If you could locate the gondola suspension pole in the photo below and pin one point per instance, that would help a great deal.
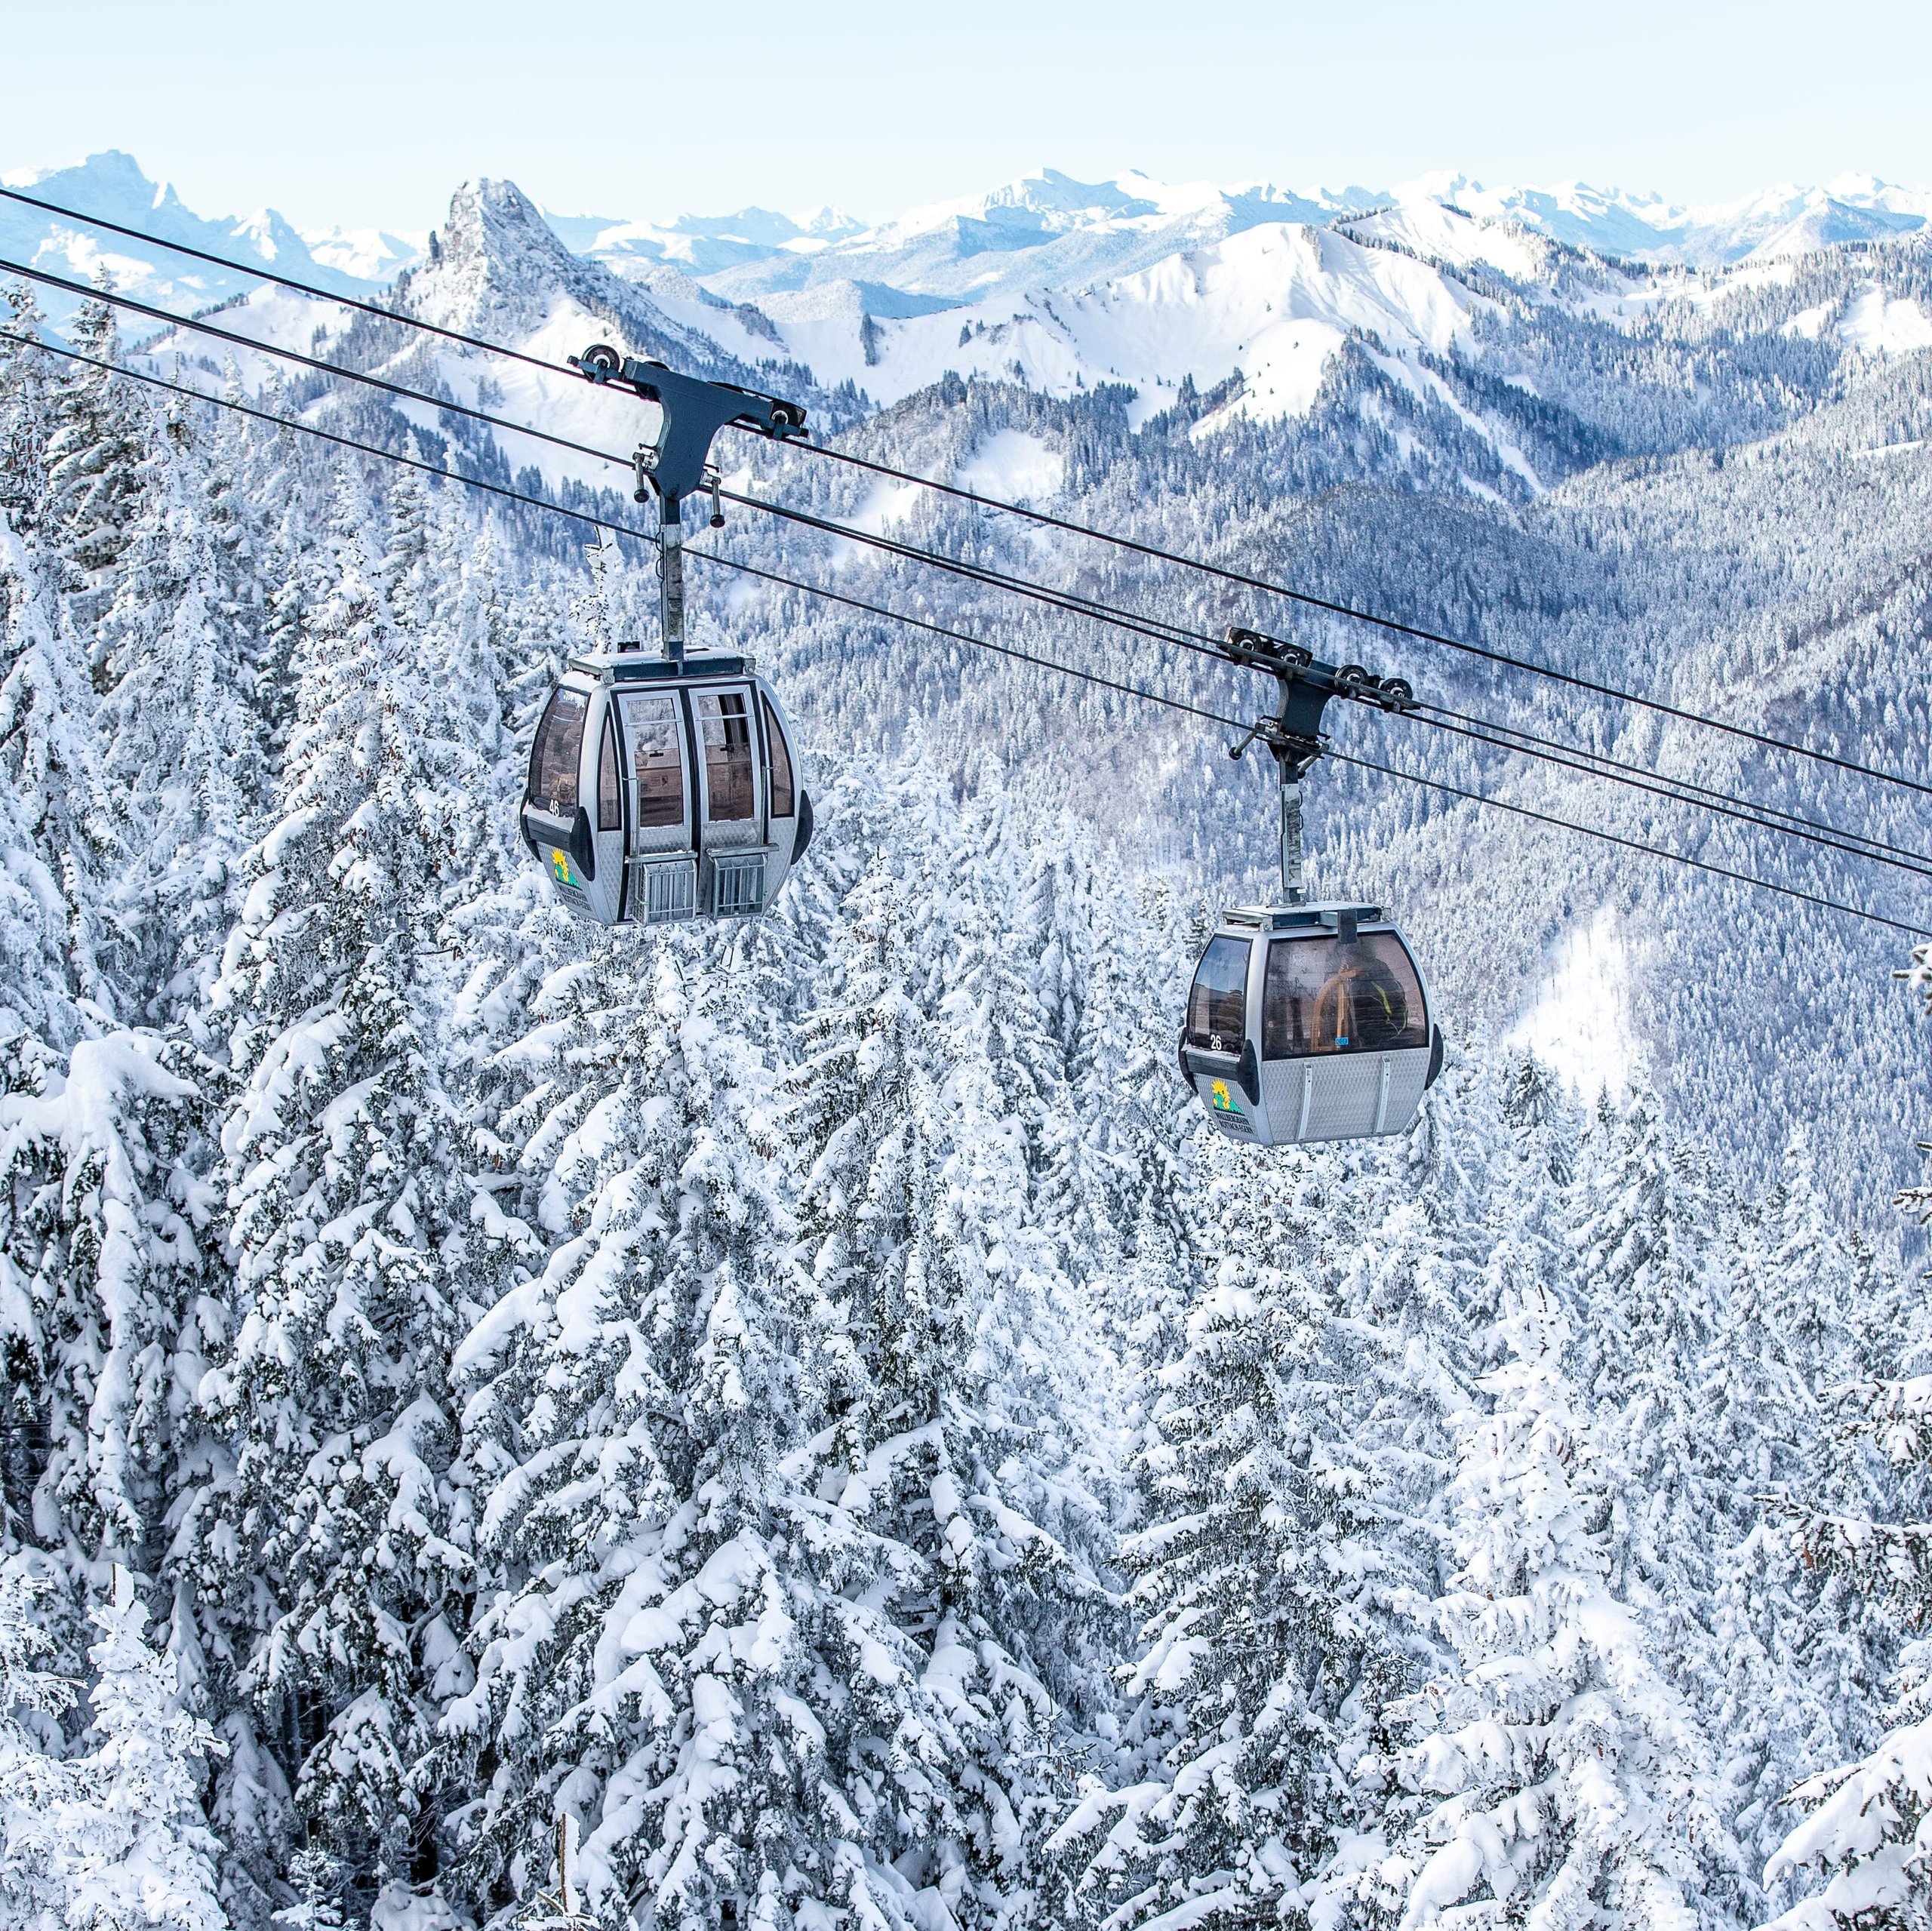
(1293, 734)
(672, 465)
(1294, 879)
(671, 574)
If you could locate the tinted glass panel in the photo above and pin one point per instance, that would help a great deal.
(1217, 1003)
(657, 760)
(783, 804)
(726, 726)
(1321, 996)
(610, 810)
(553, 759)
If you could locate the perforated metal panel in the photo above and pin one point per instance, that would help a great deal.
(740, 887)
(1408, 1075)
(664, 891)
(1341, 1096)
(1347, 1088)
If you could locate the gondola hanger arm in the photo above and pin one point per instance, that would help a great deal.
(673, 465)
(694, 411)
(1304, 685)
(1293, 734)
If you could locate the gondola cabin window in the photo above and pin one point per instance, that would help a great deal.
(553, 763)
(726, 724)
(657, 764)
(784, 803)
(1321, 995)
(610, 802)
(1217, 1003)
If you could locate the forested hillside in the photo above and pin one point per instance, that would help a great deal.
(806, 1418)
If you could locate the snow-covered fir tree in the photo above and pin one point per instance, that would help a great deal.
(136, 1848)
(103, 1252)
(113, 1836)
(1868, 1833)
(1263, 1665)
(320, 1544)
(1557, 1773)
(36, 1781)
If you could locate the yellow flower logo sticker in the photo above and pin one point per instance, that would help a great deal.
(1221, 1100)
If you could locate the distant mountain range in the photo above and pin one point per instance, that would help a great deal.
(1066, 285)
(1046, 230)
(112, 184)
(1051, 230)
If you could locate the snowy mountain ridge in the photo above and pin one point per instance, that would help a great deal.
(1046, 230)
(1259, 317)
(113, 185)
(1066, 285)
(1768, 225)
(1274, 303)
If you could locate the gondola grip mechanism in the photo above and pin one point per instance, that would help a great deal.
(691, 412)
(1294, 735)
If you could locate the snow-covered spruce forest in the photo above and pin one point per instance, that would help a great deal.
(807, 1416)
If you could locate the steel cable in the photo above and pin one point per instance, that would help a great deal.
(883, 612)
(1331, 606)
(1073, 603)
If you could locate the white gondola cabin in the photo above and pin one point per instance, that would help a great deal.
(662, 789)
(1309, 1022)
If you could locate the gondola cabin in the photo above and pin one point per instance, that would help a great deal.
(663, 789)
(1309, 1022)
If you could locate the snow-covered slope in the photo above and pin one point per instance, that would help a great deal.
(1064, 283)
(1258, 314)
(1274, 302)
(1043, 233)
(373, 255)
(497, 269)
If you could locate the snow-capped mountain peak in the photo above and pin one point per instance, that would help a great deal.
(495, 255)
(113, 185)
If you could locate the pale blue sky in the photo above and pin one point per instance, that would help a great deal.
(367, 114)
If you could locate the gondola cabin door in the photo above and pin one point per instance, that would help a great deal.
(731, 776)
(661, 882)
